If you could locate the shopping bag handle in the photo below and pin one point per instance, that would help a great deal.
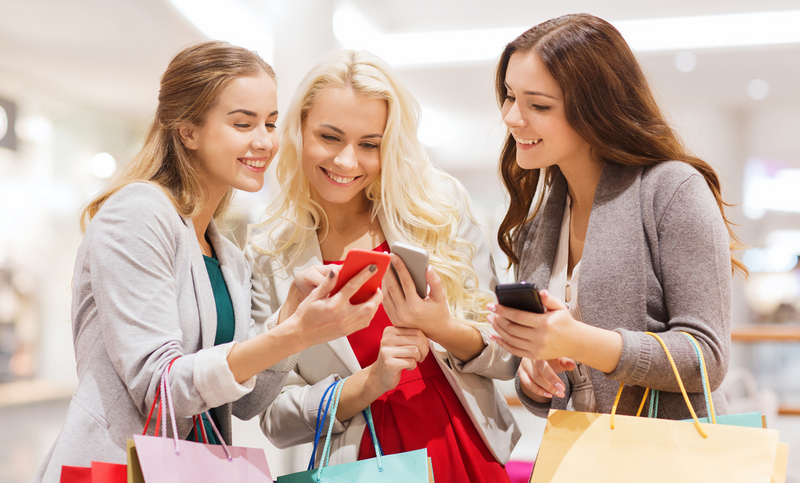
(338, 386)
(704, 374)
(321, 417)
(680, 384)
(164, 392)
(653, 410)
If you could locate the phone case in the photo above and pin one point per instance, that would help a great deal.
(355, 261)
(521, 296)
(416, 260)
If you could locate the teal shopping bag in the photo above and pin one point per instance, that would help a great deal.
(407, 467)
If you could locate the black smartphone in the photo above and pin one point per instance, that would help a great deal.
(520, 295)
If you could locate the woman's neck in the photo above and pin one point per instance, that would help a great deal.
(347, 226)
(582, 182)
(203, 219)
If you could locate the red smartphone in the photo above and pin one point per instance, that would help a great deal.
(357, 260)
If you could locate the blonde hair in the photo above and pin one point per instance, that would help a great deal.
(415, 197)
(190, 86)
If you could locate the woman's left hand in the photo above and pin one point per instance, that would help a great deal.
(406, 309)
(536, 336)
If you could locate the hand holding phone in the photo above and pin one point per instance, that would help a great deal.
(416, 261)
(521, 296)
(355, 261)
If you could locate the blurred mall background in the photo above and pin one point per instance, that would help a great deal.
(79, 81)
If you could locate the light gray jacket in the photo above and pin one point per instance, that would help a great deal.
(141, 297)
(656, 258)
(291, 419)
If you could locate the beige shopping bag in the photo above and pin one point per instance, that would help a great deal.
(579, 446)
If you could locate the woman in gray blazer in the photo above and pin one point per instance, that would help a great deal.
(623, 229)
(155, 283)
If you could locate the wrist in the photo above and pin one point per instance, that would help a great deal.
(294, 338)
(445, 331)
(373, 387)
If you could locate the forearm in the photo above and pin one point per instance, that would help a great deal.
(259, 353)
(595, 347)
(358, 393)
(462, 340)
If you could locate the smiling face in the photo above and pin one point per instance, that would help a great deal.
(534, 112)
(238, 137)
(342, 136)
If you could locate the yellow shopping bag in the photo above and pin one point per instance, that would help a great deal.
(590, 447)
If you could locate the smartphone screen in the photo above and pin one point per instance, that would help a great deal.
(355, 261)
(521, 296)
(416, 260)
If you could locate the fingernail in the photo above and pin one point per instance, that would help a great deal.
(491, 307)
(545, 293)
(547, 394)
(373, 267)
(331, 275)
(560, 387)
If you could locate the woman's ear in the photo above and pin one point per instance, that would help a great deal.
(189, 135)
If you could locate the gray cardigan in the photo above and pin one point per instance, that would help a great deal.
(141, 297)
(656, 258)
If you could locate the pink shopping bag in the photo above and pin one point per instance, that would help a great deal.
(154, 459)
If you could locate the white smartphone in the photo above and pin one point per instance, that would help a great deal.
(416, 260)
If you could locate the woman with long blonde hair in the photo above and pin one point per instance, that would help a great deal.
(155, 284)
(354, 175)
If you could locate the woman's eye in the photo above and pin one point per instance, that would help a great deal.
(328, 137)
(242, 125)
(271, 126)
(369, 146)
(510, 98)
(540, 107)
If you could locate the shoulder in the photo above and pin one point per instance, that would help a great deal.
(137, 207)
(677, 186)
(142, 198)
(668, 176)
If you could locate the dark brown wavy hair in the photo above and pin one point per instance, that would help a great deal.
(608, 102)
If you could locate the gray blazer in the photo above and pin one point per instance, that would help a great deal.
(656, 258)
(141, 297)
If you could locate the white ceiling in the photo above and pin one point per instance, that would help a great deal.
(109, 54)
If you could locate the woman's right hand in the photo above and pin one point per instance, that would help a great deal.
(539, 379)
(321, 318)
(303, 284)
(401, 348)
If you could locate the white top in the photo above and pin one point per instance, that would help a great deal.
(565, 288)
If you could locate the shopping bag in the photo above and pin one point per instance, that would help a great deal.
(98, 473)
(153, 459)
(579, 446)
(407, 467)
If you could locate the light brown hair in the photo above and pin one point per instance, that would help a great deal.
(608, 102)
(191, 85)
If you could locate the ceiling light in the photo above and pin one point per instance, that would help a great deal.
(103, 165)
(354, 30)
(685, 61)
(758, 89)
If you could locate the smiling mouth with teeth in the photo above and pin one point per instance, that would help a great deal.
(338, 179)
(255, 163)
(527, 141)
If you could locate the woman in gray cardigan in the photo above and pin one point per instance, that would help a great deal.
(154, 281)
(610, 215)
